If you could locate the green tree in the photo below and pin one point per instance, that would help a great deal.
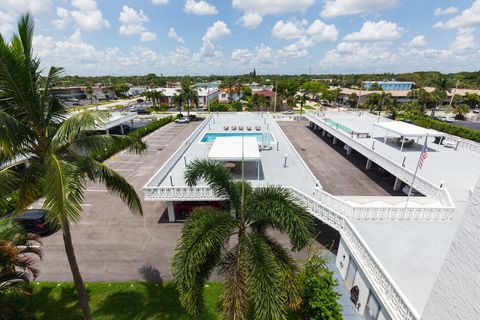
(353, 99)
(189, 95)
(442, 88)
(120, 89)
(460, 111)
(301, 98)
(319, 299)
(258, 101)
(89, 93)
(58, 149)
(260, 276)
(18, 257)
(471, 99)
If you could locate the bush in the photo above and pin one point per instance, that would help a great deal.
(158, 108)
(452, 129)
(319, 299)
(138, 133)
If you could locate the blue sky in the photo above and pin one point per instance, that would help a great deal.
(176, 37)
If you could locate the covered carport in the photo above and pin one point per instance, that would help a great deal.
(407, 132)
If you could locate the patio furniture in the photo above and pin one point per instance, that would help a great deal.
(257, 128)
(449, 144)
(249, 128)
(234, 127)
(225, 128)
(240, 128)
(229, 165)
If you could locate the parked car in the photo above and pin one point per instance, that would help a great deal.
(184, 208)
(142, 111)
(182, 120)
(288, 112)
(477, 111)
(140, 100)
(34, 221)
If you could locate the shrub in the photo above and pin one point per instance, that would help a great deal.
(452, 129)
(319, 299)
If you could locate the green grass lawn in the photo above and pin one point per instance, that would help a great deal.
(119, 300)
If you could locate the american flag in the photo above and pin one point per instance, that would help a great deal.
(423, 156)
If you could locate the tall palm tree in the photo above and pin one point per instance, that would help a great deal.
(260, 276)
(188, 95)
(59, 149)
(442, 88)
(301, 98)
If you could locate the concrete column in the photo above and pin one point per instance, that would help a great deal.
(349, 150)
(171, 211)
(324, 133)
(369, 164)
(107, 131)
(121, 129)
(397, 185)
(334, 140)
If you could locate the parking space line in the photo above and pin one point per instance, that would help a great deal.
(133, 162)
(96, 190)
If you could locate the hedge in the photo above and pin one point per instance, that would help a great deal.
(452, 129)
(138, 133)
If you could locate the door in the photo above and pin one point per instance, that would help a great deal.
(372, 309)
(351, 273)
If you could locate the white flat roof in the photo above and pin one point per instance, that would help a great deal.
(408, 130)
(230, 149)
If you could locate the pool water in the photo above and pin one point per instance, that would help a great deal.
(211, 136)
(339, 126)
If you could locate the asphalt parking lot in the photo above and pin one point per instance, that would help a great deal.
(110, 243)
(338, 173)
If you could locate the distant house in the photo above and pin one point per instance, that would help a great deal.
(168, 94)
(101, 92)
(206, 96)
(66, 93)
(136, 91)
(255, 87)
(389, 85)
(207, 85)
(228, 95)
(269, 96)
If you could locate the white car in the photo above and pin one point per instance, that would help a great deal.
(182, 120)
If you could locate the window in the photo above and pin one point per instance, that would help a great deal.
(372, 309)
(351, 273)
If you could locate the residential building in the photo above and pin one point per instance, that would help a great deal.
(168, 94)
(229, 94)
(255, 87)
(101, 92)
(389, 85)
(207, 85)
(66, 93)
(207, 95)
(136, 91)
(269, 97)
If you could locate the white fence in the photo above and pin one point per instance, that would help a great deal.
(464, 144)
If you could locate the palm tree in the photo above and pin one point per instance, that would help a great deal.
(188, 95)
(59, 150)
(260, 276)
(301, 98)
(442, 88)
(259, 101)
(177, 100)
(89, 92)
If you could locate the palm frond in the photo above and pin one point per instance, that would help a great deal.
(234, 299)
(275, 207)
(199, 250)
(14, 134)
(88, 144)
(114, 182)
(216, 176)
(64, 191)
(9, 180)
(28, 186)
(265, 285)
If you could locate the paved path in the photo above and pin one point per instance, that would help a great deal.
(338, 173)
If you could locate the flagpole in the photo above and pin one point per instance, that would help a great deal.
(415, 174)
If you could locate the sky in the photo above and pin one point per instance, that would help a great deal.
(203, 37)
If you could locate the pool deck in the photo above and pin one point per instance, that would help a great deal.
(272, 170)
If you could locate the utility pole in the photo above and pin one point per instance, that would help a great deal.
(275, 100)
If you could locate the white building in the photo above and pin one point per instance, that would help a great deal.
(136, 91)
(391, 249)
(207, 96)
(228, 95)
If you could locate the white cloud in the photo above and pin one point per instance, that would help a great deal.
(321, 32)
(418, 41)
(63, 20)
(148, 36)
(468, 18)
(251, 20)
(376, 31)
(289, 30)
(216, 31)
(133, 23)
(172, 33)
(200, 8)
(161, 2)
(261, 56)
(440, 12)
(10, 10)
(464, 40)
(264, 7)
(87, 15)
(335, 8)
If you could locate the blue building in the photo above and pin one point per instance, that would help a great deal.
(389, 85)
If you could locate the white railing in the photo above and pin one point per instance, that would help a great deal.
(391, 296)
(464, 144)
(395, 169)
(387, 212)
(180, 193)
(161, 174)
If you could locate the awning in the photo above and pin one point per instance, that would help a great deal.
(230, 149)
(408, 130)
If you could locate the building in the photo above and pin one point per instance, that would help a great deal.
(389, 85)
(101, 92)
(136, 91)
(207, 95)
(168, 94)
(66, 93)
(391, 248)
(227, 95)
(207, 85)
(255, 87)
(269, 97)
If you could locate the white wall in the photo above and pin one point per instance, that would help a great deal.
(456, 293)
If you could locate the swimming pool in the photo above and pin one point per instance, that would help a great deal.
(339, 126)
(260, 136)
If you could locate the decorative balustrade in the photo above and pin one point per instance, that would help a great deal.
(464, 144)
(397, 170)
(389, 293)
(202, 193)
